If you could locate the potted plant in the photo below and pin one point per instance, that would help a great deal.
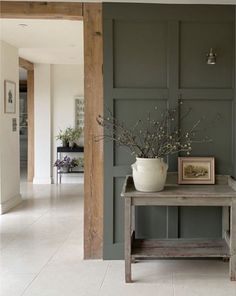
(64, 137)
(78, 162)
(73, 135)
(65, 164)
(150, 141)
(69, 136)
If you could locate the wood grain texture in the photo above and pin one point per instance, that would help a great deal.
(93, 89)
(30, 107)
(41, 10)
(26, 64)
(181, 191)
(128, 240)
(178, 248)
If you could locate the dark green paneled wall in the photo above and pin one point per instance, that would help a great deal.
(234, 127)
(155, 55)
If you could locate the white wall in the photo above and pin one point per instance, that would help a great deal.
(9, 140)
(55, 89)
(67, 82)
(42, 116)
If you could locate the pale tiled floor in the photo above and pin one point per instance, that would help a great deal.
(41, 255)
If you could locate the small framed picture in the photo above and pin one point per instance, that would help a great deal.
(10, 96)
(196, 170)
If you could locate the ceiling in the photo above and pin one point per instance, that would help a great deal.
(45, 41)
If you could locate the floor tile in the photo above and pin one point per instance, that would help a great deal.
(14, 284)
(186, 284)
(147, 277)
(82, 278)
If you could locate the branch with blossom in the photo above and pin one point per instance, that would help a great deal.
(151, 138)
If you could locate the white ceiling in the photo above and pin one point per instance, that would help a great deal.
(45, 41)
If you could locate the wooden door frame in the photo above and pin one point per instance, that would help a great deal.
(91, 14)
(29, 67)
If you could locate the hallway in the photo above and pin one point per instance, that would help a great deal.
(42, 251)
(42, 230)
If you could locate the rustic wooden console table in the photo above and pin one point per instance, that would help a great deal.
(222, 194)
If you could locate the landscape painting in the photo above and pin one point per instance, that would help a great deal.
(196, 170)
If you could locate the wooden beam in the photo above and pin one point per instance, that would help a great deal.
(26, 64)
(93, 88)
(41, 10)
(30, 107)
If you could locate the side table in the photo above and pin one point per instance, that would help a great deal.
(223, 194)
(60, 151)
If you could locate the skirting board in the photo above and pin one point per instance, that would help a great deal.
(9, 204)
(42, 181)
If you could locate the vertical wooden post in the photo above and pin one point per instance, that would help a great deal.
(225, 221)
(128, 228)
(30, 107)
(232, 262)
(93, 90)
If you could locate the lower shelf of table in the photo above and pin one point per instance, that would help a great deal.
(179, 248)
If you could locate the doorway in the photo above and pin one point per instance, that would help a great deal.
(91, 14)
(23, 124)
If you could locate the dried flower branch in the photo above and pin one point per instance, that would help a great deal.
(152, 138)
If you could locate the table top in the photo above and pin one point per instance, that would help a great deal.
(184, 191)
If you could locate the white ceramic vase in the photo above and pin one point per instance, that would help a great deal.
(149, 174)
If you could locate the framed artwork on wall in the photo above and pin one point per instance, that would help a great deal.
(79, 116)
(196, 170)
(9, 96)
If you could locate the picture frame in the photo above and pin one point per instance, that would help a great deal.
(9, 96)
(79, 116)
(196, 170)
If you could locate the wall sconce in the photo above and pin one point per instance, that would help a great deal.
(211, 57)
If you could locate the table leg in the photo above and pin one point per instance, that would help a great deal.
(232, 262)
(128, 240)
(225, 221)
